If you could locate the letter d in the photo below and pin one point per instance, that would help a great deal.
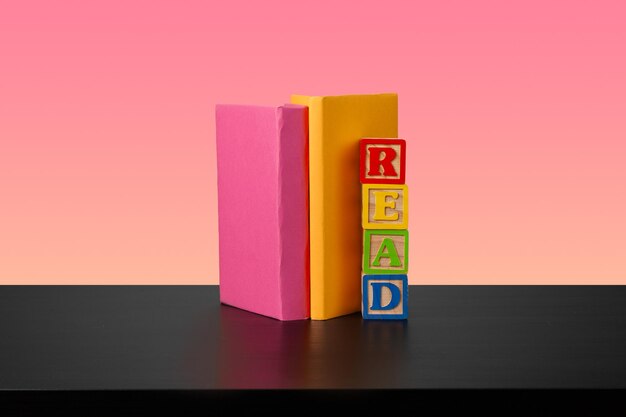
(377, 290)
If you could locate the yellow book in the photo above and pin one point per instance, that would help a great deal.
(336, 124)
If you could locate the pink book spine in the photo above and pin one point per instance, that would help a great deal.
(294, 210)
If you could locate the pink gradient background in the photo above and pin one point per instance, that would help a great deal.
(514, 113)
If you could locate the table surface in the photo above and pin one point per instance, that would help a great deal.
(180, 337)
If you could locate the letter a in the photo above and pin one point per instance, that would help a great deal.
(387, 250)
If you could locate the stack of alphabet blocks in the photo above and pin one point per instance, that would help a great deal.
(385, 218)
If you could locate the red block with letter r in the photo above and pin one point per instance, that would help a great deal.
(382, 161)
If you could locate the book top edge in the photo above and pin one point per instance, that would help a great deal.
(343, 95)
(258, 106)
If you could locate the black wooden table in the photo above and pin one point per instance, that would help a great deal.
(179, 338)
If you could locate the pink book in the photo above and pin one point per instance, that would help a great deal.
(262, 184)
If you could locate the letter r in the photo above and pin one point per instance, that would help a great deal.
(386, 163)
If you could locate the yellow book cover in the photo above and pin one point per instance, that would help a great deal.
(336, 124)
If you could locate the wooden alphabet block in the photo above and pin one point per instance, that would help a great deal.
(385, 297)
(385, 251)
(382, 161)
(385, 206)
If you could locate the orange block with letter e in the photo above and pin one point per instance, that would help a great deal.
(385, 206)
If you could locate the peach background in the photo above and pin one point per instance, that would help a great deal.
(514, 112)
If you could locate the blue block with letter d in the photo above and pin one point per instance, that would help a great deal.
(385, 297)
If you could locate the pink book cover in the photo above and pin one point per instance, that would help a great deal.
(262, 180)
